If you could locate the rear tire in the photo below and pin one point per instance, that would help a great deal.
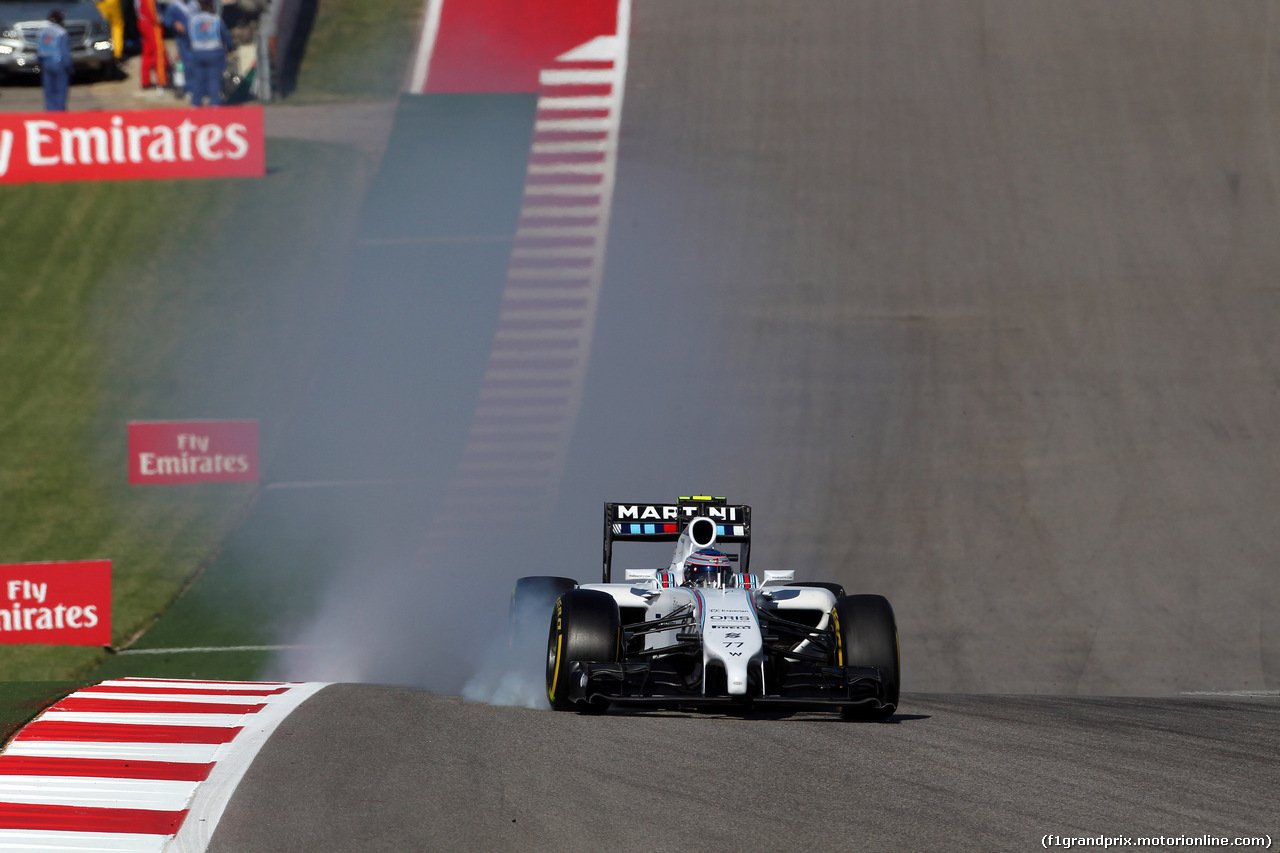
(867, 635)
(585, 627)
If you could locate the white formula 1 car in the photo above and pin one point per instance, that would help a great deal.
(700, 633)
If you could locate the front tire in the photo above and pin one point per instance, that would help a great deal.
(867, 635)
(585, 627)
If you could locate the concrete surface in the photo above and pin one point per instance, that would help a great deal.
(364, 124)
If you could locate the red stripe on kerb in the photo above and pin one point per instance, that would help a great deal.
(508, 455)
(538, 325)
(534, 304)
(551, 243)
(533, 345)
(554, 113)
(110, 768)
(127, 706)
(533, 284)
(585, 65)
(177, 691)
(550, 263)
(503, 45)
(566, 158)
(560, 221)
(532, 363)
(516, 437)
(545, 285)
(576, 90)
(514, 402)
(555, 242)
(556, 200)
(84, 819)
(125, 732)
(520, 384)
(518, 420)
(565, 178)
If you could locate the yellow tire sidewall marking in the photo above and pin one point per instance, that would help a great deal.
(555, 676)
(835, 619)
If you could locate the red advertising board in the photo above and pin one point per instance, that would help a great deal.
(163, 453)
(103, 145)
(501, 45)
(66, 604)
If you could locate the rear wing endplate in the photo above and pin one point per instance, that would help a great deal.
(632, 522)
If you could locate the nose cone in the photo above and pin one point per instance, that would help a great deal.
(731, 635)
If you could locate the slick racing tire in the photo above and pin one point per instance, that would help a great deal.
(531, 600)
(867, 635)
(585, 627)
(834, 588)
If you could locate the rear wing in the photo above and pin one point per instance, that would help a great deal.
(665, 522)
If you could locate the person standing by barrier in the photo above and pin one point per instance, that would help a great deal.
(210, 42)
(114, 14)
(54, 52)
(153, 55)
(176, 17)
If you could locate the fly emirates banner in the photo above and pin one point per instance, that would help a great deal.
(66, 603)
(105, 145)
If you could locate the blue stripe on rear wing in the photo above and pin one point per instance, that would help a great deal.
(655, 532)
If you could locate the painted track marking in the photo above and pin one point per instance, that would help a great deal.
(136, 764)
(531, 392)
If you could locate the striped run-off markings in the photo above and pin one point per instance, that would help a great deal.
(532, 388)
(136, 764)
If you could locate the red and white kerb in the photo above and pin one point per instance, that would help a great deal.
(135, 764)
(532, 388)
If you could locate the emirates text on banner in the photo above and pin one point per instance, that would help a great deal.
(65, 604)
(132, 145)
(163, 453)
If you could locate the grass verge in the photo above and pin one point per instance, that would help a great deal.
(20, 702)
(357, 51)
(199, 299)
(158, 300)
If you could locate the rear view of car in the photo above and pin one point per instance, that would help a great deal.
(87, 31)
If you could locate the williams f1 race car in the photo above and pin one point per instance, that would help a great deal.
(706, 631)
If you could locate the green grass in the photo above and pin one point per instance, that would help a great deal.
(358, 50)
(20, 702)
(221, 666)
(200, 299)
(169, 300)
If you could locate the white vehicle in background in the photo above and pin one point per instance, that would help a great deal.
(88, 33)
(700, 632)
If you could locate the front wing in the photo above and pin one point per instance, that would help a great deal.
(655, 683)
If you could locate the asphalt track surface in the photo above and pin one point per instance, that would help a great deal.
(367, 768)
(975, 303)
